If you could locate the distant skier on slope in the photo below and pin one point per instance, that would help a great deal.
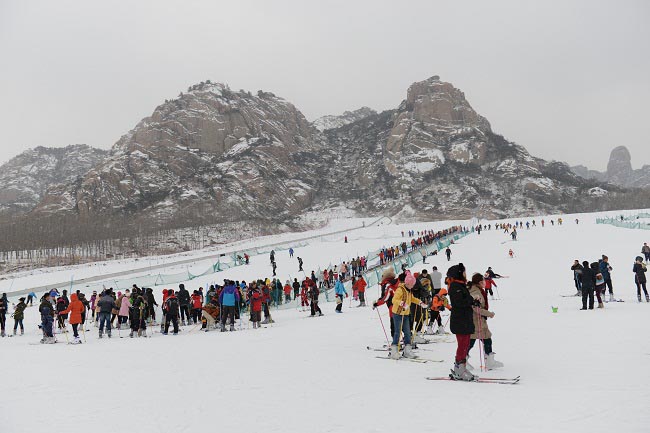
(448, 253)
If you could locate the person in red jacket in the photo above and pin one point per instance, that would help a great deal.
(360, 286)
(287, 292)
(256, 307)
(196, 302)
(75, 309)
(304, 298)
(388, 285)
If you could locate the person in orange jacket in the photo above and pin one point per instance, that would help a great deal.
(360, 287)
(75, 309)
(438, 304)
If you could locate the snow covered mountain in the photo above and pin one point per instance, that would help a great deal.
(238, 156)
(434, 155)
(619, 171)
(25, 178)
(332, 122)
(235, 155)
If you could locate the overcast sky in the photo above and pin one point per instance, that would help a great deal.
(569, 80)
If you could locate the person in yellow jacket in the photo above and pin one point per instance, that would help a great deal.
(402, 300)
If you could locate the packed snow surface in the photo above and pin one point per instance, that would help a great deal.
(582, 371)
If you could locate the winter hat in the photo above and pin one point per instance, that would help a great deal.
(409, 281)
(639, 258)
(585, 264)
(181, 286)
(456, 272)
(21, 299)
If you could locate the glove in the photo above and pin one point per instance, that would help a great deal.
(346, 295)
(423, 305)
(491, 315)
(476, 303)
(374, 305)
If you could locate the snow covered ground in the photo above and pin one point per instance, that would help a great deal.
(582, 371)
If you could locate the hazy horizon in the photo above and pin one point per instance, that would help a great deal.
(568, 81)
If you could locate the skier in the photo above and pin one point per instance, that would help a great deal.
(228, 299)
(287, 292)
(210, 315)
(184, 303)
(151, 304)
(402, 300)
(481, 313)
(272, 256)
(299, 265)
(274, 266)
(124, 304)
(639, 270)
(171, 308)
(461, 321)
(139, 315)
(438, 304)
(196, 306)
(605, 269)
(388, 285)
(600, 284)
(296, 288)
(588, 280)
(47, 319)
(577, 279)
(448, 253)
(314, 293)
(75, 308)
(489, 283)
(93, 305)
(19, 315)
(290, 252)
(346, 239)
(4, 306)
(256, 306)
(645, 250)
(304, 294)
(511, 254)
(247, 258)
(360, 286)
(106, 304)
(339, 289)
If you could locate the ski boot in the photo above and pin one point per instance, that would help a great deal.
(131, 334)
(394, 352)
(14, 332)
(76, 340)
(639, 297)
(223, 328)
(491, 363)
(2, 334)
(408, 352)
(22, 332)
(429, 330)
(647, 298)
(109, 334)
(101, 334)
(460, 373)
(232, 328)
(420, 340)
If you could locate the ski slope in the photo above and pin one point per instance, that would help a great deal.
(582, 371)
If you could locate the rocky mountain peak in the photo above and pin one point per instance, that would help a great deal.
(26, 177)
(619, 167)
(439, 102)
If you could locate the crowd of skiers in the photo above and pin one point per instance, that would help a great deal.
(416, 300)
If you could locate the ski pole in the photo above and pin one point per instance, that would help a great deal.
(382, 326)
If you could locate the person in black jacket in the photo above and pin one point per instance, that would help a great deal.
(47, 319)
(461, 321)
(577, 279)
(105, 305)
(184, 302)
(151, 304)
(639, 270)
(296, 288)
(588, 281)
(4, 306)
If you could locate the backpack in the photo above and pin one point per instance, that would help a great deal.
(172, 305)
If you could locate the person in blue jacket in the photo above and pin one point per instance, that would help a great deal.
(339, 289)
(47, 319)
(605, 269)
(229, 300)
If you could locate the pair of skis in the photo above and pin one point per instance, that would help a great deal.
(417, 359)
(498, 380)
